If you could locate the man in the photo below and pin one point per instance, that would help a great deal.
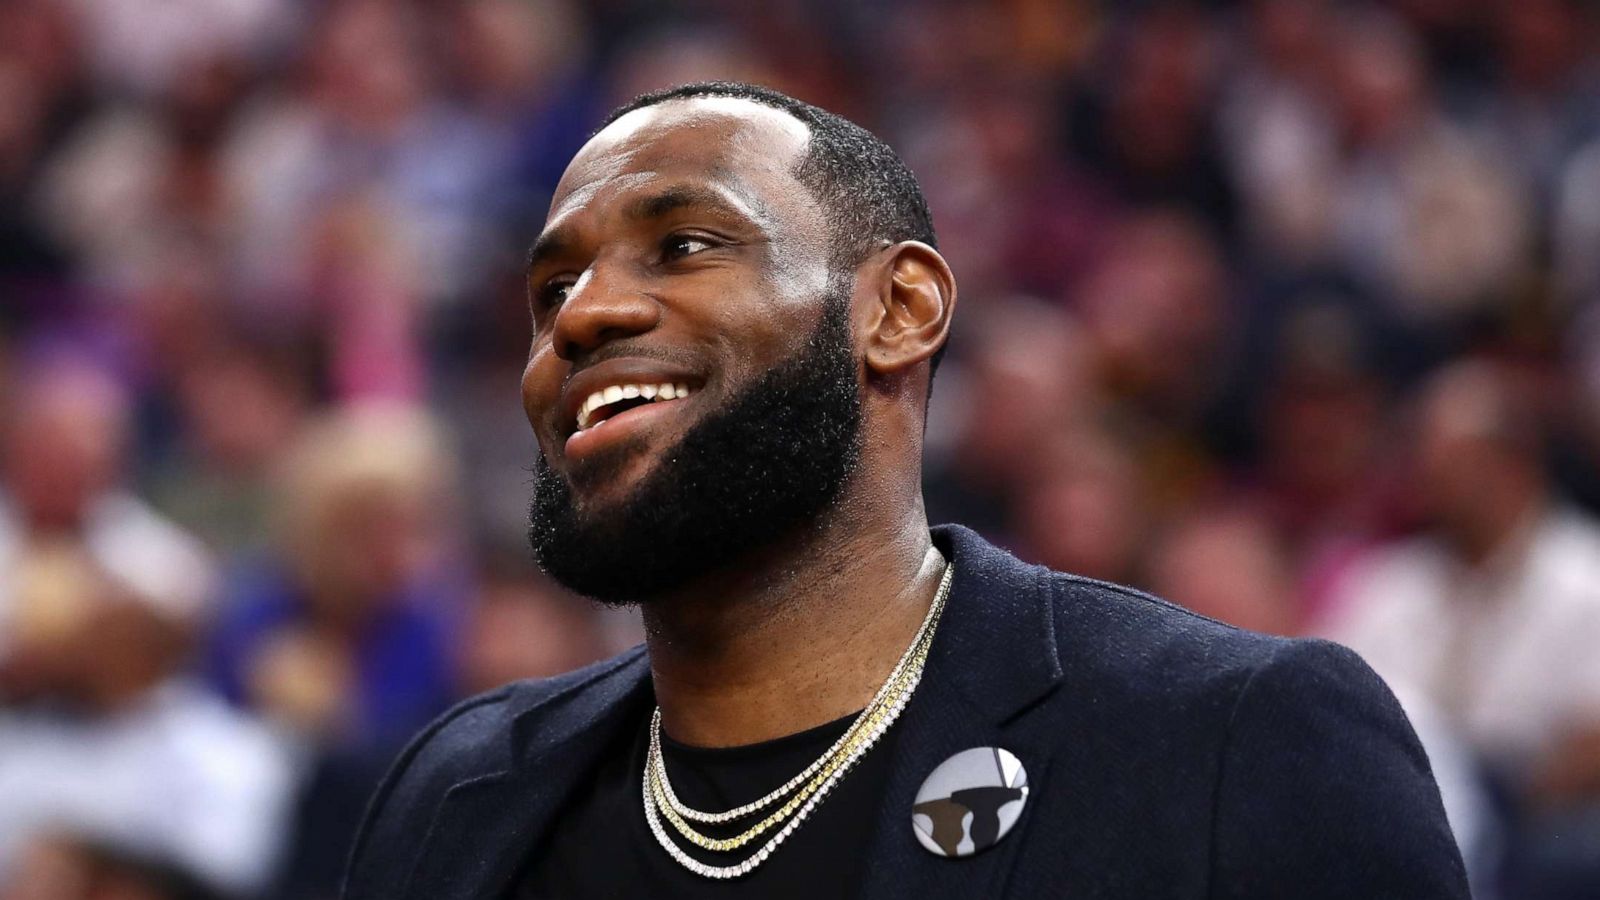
(64, 452)
(1491, 616)
(737, 310)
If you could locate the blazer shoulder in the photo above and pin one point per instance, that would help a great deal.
(1137, 636)
(1143, 636)
(1316, 763)
(470, 740)
(1125, 643)
(474, 734)
(1096, 628)
(1325, 790)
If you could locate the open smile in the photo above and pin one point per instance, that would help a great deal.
(613, 423)
(601, 405)
(618, 401)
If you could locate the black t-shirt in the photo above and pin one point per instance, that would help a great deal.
(601, 847)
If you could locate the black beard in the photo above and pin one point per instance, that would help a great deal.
(774, 459)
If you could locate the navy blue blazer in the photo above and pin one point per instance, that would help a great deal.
(1169, 756)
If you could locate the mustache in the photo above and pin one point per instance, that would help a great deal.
(634, 348)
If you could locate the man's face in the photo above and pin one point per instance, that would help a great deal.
(682, 255)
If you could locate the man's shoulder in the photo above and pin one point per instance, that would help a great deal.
(479, 738)
(1124, 646)
(1150, 645)
(475, 733)
(1120, 631)
(1311, 760)
(1132, 663)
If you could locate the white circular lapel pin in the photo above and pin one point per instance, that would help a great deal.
(970, 801)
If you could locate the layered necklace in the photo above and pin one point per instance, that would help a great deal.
(800, 795)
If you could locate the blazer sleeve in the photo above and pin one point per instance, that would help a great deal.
(1324, 790)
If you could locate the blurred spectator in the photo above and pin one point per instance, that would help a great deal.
(1491, 617)
(1323, 477)
(1420, 213)
(66, 437)
(1085, 508)
(1010, 216)
(518, 70)
(1158, 309)
(1544, 107)
(1494, 613)
(102, 739)
(343, 633)
(1024, 375)
(64, 868)
(1277, 129)
(1227, 565)
(1147, 124)
(526, 629)
(363, 150)
(147, 46)
(240, 405)
(42, 93)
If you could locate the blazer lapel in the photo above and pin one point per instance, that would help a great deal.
(993, 659)
(486, 824)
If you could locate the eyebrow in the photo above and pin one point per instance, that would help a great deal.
(654, 206)
(550, 244)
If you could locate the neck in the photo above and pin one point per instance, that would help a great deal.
(801, 636)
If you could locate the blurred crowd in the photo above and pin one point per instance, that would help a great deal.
(1286, 310)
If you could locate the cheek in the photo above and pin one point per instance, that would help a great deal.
(541, 385)
(759, 325)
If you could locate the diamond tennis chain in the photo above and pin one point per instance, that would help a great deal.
(801, 793)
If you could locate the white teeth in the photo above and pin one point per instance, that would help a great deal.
(617, 392)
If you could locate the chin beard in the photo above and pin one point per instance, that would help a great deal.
(776, 457)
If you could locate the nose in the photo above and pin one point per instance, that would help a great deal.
(605, 304)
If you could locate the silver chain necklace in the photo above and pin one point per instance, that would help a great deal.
(801, 793)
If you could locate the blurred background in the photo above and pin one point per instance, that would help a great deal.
(1286, 310)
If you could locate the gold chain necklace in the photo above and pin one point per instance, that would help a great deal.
(802, 793)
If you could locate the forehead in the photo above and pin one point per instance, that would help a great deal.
(738, 147)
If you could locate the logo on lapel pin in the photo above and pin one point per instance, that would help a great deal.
(970, 801)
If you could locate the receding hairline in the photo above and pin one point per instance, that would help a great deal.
(732, 105)
(601, 141)
(729, 179)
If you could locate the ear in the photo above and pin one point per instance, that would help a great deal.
(910, 320)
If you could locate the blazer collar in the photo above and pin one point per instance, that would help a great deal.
(996, 643)
(574, 715)
(993, 660)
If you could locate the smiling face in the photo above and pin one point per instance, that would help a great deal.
(691, 381)
(680, 252)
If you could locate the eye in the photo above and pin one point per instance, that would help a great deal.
(677, 246)
(552, 293)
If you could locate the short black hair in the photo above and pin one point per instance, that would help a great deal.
(866, 190)
(868, 193)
